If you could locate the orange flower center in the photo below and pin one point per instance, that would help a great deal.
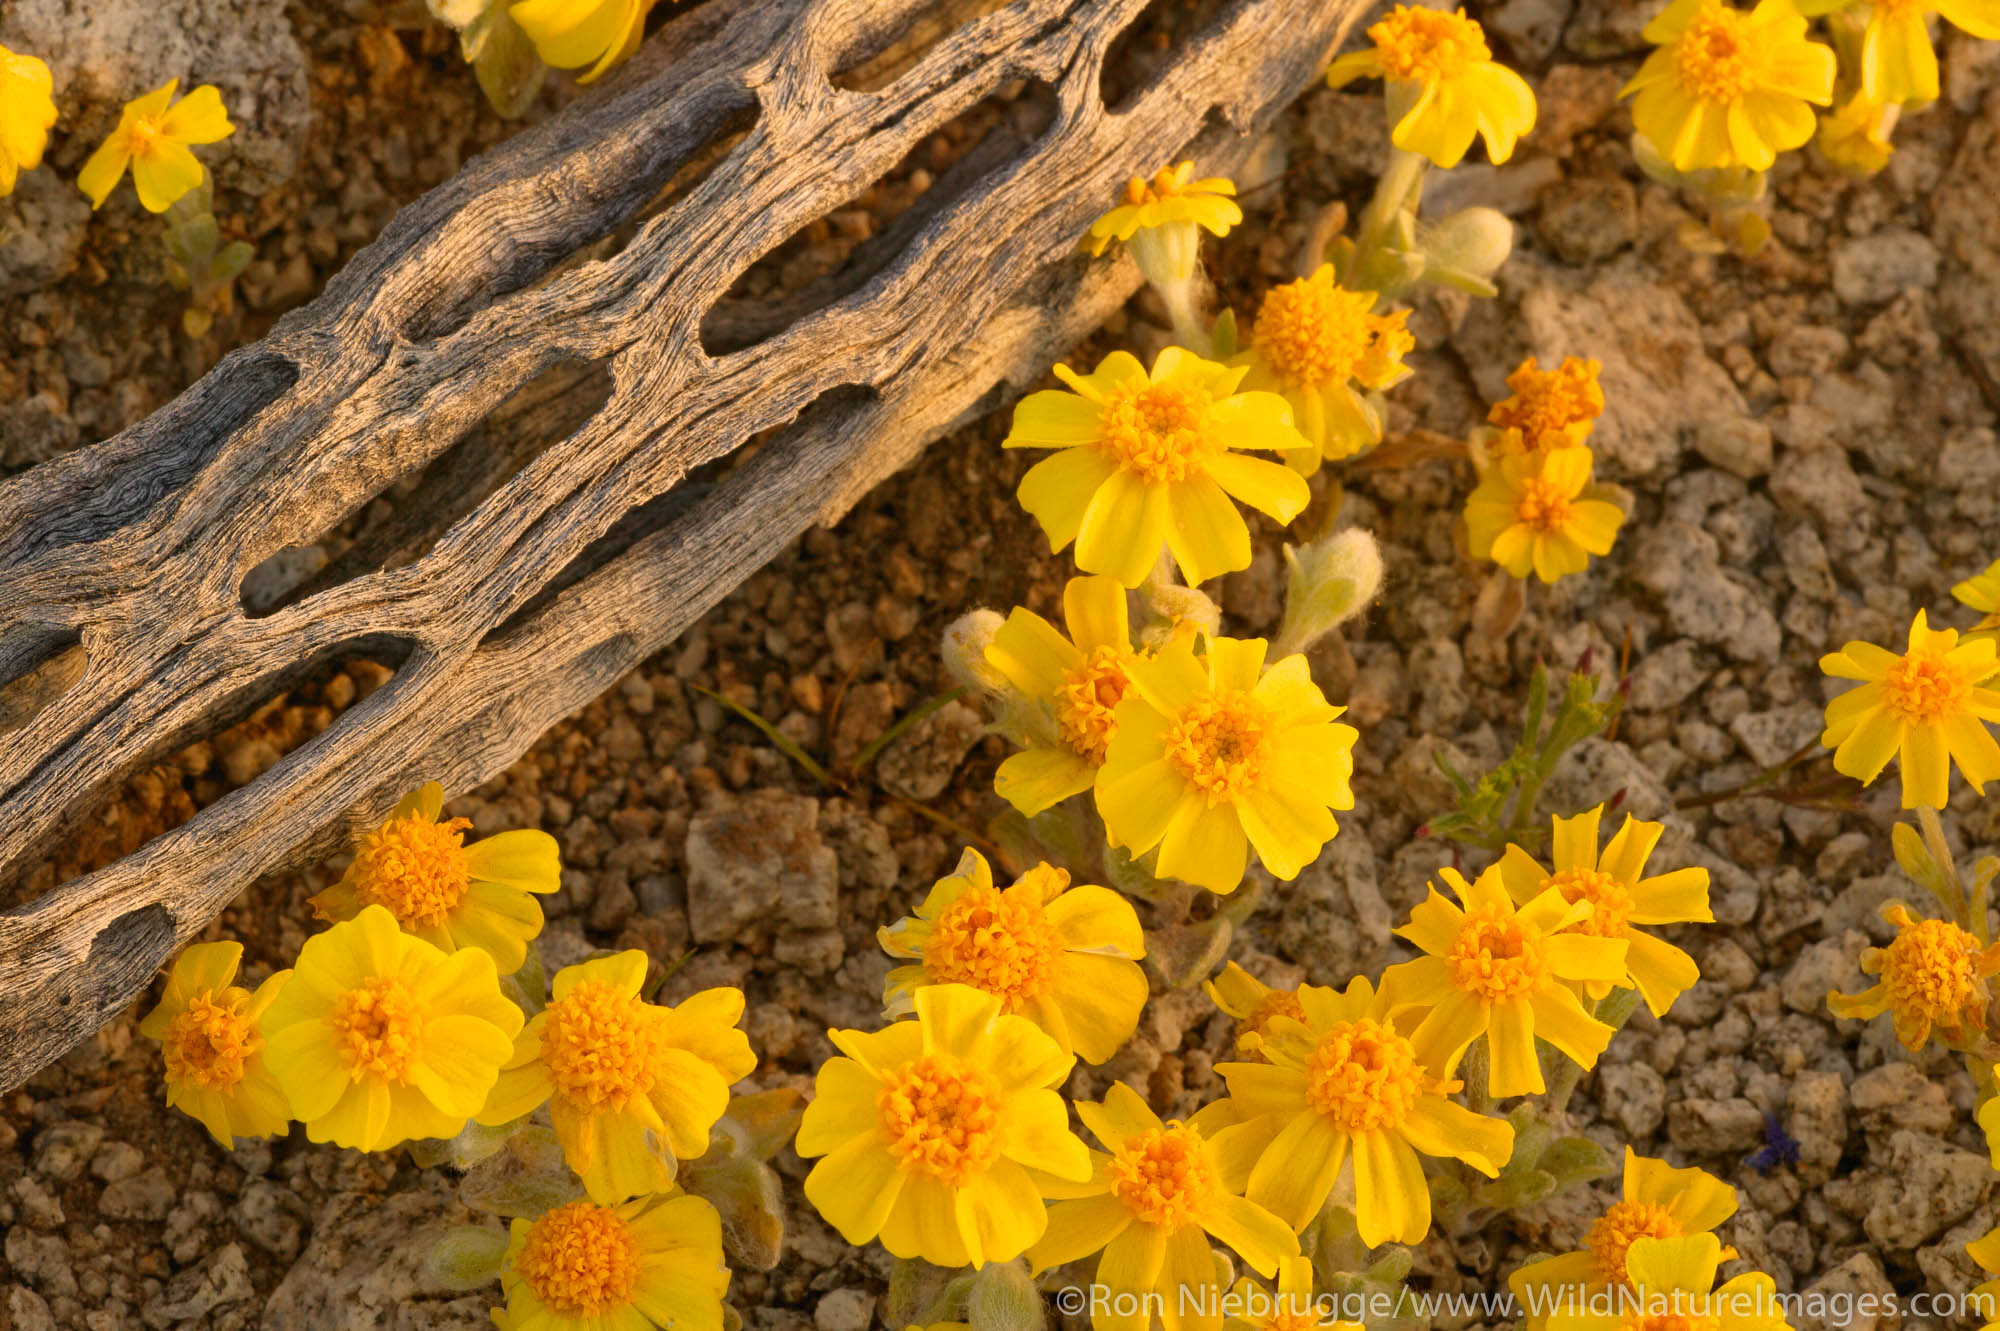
(1165, 184)
(580, 1260)
(1932, 972)
(1610, 900)
(416, 868)
(209, 1042)
(941, 1117)
(1001, 943)
(1364, 1076)
(1422, 45)
(1313, 331)
(1165, 1177)
(1277, 1003)
(1624, 1224)
(376, 1030)
(1163, 432)
(1670, 1322)
(1712, 57)
(1542, 505)
(1219, 745)
(1088, 700)
(602, 1046)
(1496, 956)
(1924, 689)
(1546, 406)
(144, 136)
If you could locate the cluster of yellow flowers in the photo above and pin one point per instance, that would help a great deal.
(153, 135)
(1730, 89)
(394, 1025)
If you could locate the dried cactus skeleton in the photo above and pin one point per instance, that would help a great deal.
(550, 333)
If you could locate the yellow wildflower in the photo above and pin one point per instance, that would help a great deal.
(1982, 593)
(1658, 1202)
(27, 110)
(1312, 342)
(1670, 1286)
(1152, 1205)
(447, 893)
(1985, 1250)
(650, 1262)
(570, 34)
(1507, 973)
(1151, 459)
(1933, 978)
(1926, 708)
(1066, 958)
(1074, 682)
(1172, 197)
(1855, 138)
(1253, 1003)
(1217, 755)
(207, 1026)
(379, 1037)
(1550, 408)
(1898, 64)
(1443, 85)
(929, 1130)
(1345, 1083)
(1292, 1306)
(1620, 897)
(1538, 512)
(152, 138)
(630, 1085)
(1729, 88)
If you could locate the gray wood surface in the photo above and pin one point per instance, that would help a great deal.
(544, 311)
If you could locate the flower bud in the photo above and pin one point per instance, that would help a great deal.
(1178, 610)
(1328, 582)
(964, 650)
(1003, 1298)
(1467, 248)
(466, 1257)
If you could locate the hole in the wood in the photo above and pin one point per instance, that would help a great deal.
(114, 484)
(191, 770)
(695, 489)
(137, 943)
(832, 257)
(518, 265)
(1149, 44)
(37, 662)
(400, 525)
(883, 49)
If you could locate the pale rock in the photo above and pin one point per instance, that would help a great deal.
(759, 859)
(918, 763)
(1875, 268)
(1816, 1118)
(42, 225)
(1859, 1287)
(1715, 1127)
(1831, 965)
(1771, 737)
(1927, 1187)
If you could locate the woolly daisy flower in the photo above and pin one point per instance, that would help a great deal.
(207, 1026)
(630, 1085)
(152, 138)
(27, 110)
(1066, 958)
(1151, 1206)
(1550, 408)
(1344, 1084)
(1443, 85)
(1253, 1003)
(445, 892)
(1934, 978)
(933, 1133)
(1537, 512)
(379, 1037)
(1658, 1201)
(1312, 342)
(1073, 684)
(1173, 197)
(1728, 88)
(1927, 709)
(1620, 896)
(654, 1262)
(1152, 459)
(1217, 755)
(1670, 1282)
(569, 34)
(1510, 974)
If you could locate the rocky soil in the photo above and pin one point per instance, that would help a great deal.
(1809, 438)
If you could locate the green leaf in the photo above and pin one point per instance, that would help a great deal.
(509, 70)
(785, 743)
(1576, 1160)
(1003, 1298)
(1523, 1189)
(466, 1257)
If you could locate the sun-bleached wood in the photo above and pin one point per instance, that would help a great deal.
(551, 261)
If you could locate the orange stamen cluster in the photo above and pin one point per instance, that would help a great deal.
(1496, 956)
(580, 1260)
(941, 1117)
(1165, 1177)
(1218, 744)
(997, 941)
(1363, 1075)
(602, 1046)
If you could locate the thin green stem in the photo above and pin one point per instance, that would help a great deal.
(1393, 192)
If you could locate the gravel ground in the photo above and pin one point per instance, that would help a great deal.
(1809, 440)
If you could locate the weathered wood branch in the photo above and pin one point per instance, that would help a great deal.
(585, 552)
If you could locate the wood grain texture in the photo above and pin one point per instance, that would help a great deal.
(507, 294)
